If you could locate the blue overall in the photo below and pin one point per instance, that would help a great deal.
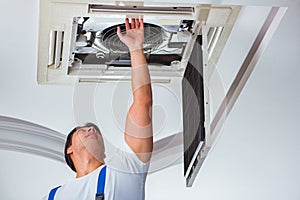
(100, 186)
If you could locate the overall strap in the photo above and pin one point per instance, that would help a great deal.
(52, 193)
(101, 181)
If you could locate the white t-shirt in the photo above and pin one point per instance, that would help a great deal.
(125, 180)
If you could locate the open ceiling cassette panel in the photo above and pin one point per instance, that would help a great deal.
(78, 41)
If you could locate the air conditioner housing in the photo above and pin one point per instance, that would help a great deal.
(78, 41)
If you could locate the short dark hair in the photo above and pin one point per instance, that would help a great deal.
(68, 143)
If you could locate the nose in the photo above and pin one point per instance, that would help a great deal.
(91, 129)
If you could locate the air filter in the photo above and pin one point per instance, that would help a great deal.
(153, 37)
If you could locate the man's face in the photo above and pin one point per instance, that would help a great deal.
(88, 140)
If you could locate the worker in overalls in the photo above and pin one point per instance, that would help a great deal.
(123, 176)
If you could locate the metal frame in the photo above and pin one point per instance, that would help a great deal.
(261, 42)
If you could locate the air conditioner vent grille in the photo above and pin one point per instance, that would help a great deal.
(154, 36)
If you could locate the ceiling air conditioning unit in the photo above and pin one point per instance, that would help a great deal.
(78, 41)
(78, 44)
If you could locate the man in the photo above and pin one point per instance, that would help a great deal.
(125, 173)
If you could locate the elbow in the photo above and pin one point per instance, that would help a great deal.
(143, 99)
(148, 99)
(145, 103)
(149, 102)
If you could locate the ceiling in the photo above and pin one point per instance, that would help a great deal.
(256, 156)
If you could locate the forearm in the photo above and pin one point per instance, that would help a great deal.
(141, 82)
(138, 130)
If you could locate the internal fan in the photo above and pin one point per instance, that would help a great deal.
(153, 37)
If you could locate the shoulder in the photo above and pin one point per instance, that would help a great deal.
(124, 160)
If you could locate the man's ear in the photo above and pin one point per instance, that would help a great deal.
(69, 150)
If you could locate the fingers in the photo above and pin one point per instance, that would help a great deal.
(119, 32)
(142, 23)
(127, 26)
(135, 23)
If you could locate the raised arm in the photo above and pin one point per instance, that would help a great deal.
(138, 129)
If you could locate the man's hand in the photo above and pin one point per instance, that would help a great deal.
(134, 37)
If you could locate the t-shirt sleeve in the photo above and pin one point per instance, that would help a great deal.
(125, 160)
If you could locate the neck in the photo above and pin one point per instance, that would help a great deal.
(87, 166)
